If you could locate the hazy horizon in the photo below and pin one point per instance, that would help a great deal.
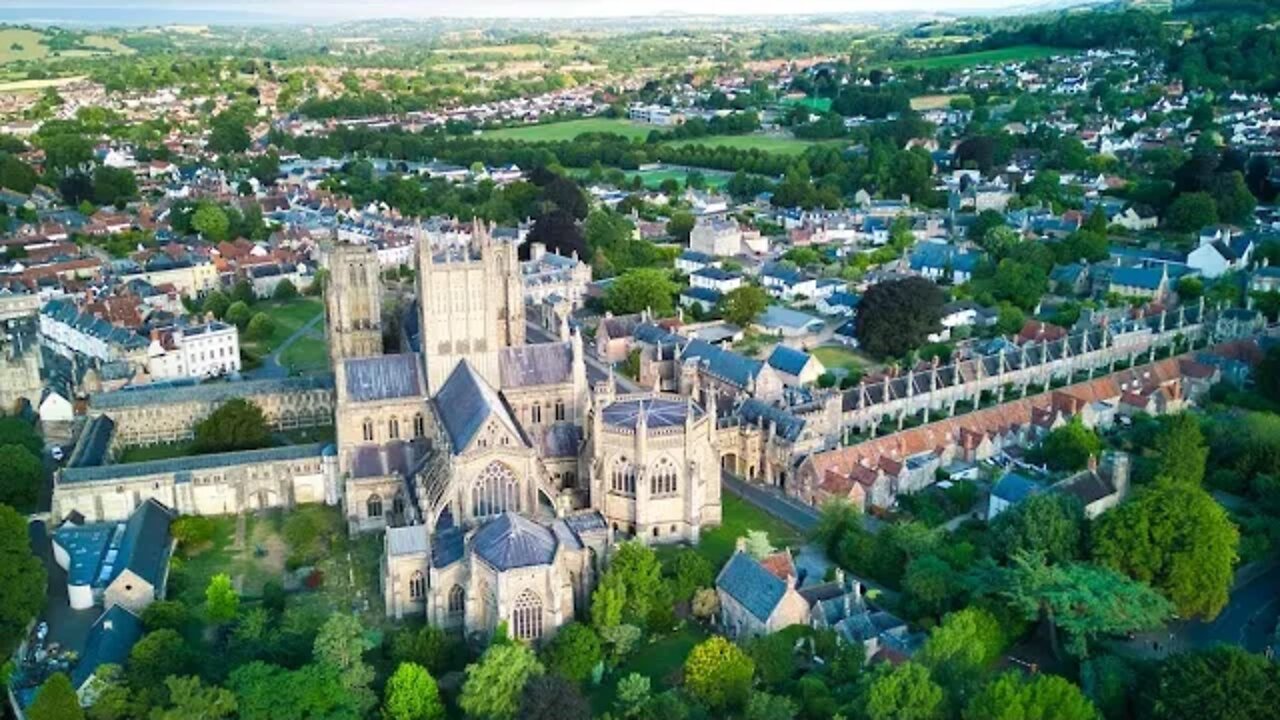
(169, 11)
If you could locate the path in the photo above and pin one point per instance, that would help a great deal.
(271, 367)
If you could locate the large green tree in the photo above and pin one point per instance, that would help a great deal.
(963, 647)
(642, 289)
(574, 652)
(412, 694)
(718, 673)
(341, 645)
(56, 700)
(1048, 523)
(1080, 599)
(906, 692)
(22, 580)
(190, 699)
(221, 601)
(550, 697)
(23, 476)
(1069, 447)
(897, 316)
(237, 424)
(1043, 697)
(1222, 683)
(741, 306)
(496, 681)
(1177, 538)
(1180, 449)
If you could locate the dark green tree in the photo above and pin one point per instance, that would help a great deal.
(238, 424)
(897, 316)
(22, 580)
(56, 700)
(1222, 683)
(1051, 524)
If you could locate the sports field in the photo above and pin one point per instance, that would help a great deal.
(779, 144)
(570, 129)
(1015, 53)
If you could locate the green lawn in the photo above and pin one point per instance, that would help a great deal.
(836, 357)
(1001, 55)
(289, 315)
(818, 104)
(779, 144)
(660, 661)
(306, 354)
(162, 451)
(737, 517)
(570, 129)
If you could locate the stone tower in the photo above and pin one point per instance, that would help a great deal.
(471, 295)
(353, 302)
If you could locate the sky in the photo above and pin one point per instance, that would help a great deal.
(328, 9)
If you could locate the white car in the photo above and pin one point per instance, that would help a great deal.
(56, 453)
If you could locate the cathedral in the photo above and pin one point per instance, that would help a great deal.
(499, 477)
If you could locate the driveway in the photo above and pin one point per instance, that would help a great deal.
(68, 628)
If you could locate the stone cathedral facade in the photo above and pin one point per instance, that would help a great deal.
(499, 477)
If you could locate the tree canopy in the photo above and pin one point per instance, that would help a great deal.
(237, 424)
(1042, 697)
(718, 673)
(22, 580)
(897, 316)
(496, 681)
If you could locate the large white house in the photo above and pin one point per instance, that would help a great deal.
(716, 237)
(199, 351)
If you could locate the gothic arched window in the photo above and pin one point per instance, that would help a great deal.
(663, 478)
(623, 477)
(374, 505)
(393, 428)
(419, 426)
(417, 585)
(495, 491)
(457, 600)
(368, 430)
(526, 618)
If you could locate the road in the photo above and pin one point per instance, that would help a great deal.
(597, 371)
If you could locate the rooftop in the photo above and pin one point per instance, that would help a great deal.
(658, 412)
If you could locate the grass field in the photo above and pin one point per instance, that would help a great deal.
(33, 85)
(22, 44)
(781, 145)
(818, 104)
(934, 102)
(737, 517)
(161, 451)
(1016, 53)
(306, 354)
(289, 316)
(835, 357)
(659, 661)
(570, 129)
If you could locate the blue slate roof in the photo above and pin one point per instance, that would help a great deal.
(186, 465)
(933, 256)
(446, 547)
(788, 360)
(512, 541)
(111, 638)
(756, 589)
(67, 313)
(536, 364)
(465, 402)
(778, 316)
(789, 427)
(94, 443)
(1132, 253)
(1145, 278)
(715, 273)
(1014, 488)
(703, 294)
(843, 299)
(651, 334)
(1068, 274)
(657, 412)
(787, 275)
(145, 547)
(697, 257)
(180, 391)
(724, 364)
(383, 377)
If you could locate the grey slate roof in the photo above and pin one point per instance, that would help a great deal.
(94, 442)
(189, 464)
(145, 547)
(111, 638)
(384, 377)
(657, 412)
(465, 402)
(221, 391)
(407, 540)
(561, 440)
(755, 411)
(754, 587)
(724, 364)
(1015, 488)
(512, 541)
(539, 364)
(788, 360)
(446, 547)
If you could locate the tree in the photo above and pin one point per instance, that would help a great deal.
(494, 684)
(1051, 524)
(774, 657)
(904, 693)
(928, 584)
(962, 647)
(211, 221)
(1069, 447)
(1222, 683)
(718, 673)
(1190, 289)
(239, 314)
(56, 700)
(22, 580)
(836, 519)
(680, 225)
(1191, 211)
(1080, 599)
(23, 476)
(763, 706)
(574, 652)
(237, 424)
(162, 614)
(549, 697)
(227, 134)
(636, 566)
(242, 291)
(1043, 697)
(222, 602)
(110, 693)
(608, 601)
(17, 175)
(741, 306)
(189, 699)
(1267, 376)
(341, 645)
(1232, 198)
(412, 694)
(284, 290)
(565, 194)
(642, 289)
(270, 692)
(1178, 539)
(689, 570)
(1180, 449)
(113, 185)
(633, 692)
(897, 316)
(260, 327)
(1019, 283)
(559, 232)
(155, 657)
(428, 646)
(216, 302)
